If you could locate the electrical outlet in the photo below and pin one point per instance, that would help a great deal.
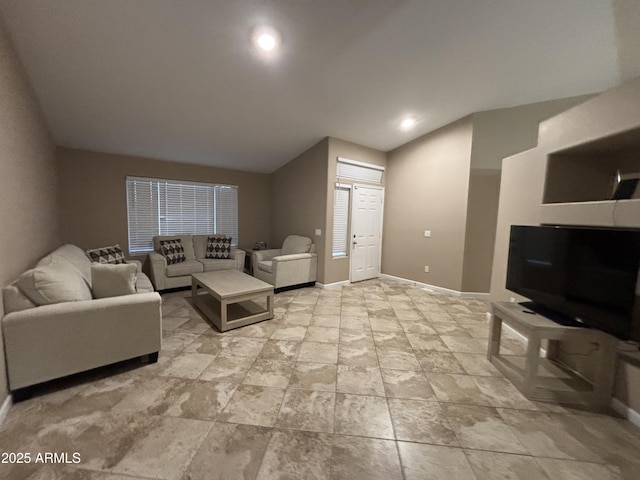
(318, 232)
(426, 269)
(427, 233)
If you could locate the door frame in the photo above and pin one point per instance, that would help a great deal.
(354, 186)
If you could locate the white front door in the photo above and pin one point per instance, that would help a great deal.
(366, 232)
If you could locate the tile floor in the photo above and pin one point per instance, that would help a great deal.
(377, 380)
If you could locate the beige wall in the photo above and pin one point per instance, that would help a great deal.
(337, 269)
(28, 182)
(93, 195)
(299, 200)
(482, 216)
(497, 134)
(427, 189)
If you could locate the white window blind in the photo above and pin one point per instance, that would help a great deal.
(167, 207)
(340, 221)
(352, 170)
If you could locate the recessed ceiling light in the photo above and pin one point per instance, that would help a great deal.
(408, 123)
(266, 38)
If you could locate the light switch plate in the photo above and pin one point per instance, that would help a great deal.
(318, 232)
(427, 233)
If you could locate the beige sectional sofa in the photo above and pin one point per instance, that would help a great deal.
(53, 326)
(178, 275)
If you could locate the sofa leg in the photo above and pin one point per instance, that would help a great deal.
(152, 357)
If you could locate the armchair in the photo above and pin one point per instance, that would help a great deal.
(295, 264)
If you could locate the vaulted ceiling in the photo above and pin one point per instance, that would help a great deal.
(181, 80)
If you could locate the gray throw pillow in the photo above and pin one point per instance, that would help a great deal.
(54, 283)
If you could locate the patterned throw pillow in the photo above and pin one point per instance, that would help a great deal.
(218, 247)
(111, 255)
(172, 250)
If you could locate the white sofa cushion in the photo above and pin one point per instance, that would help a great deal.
(266, 266)
(184, 268)
(211, 264)
(57, 282)
(113, 280)
(75, 256)
(15, 300)
(296, 244)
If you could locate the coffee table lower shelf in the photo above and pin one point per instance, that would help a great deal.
(226, 298)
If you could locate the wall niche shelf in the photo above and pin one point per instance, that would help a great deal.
(586, 172)
(606, 213)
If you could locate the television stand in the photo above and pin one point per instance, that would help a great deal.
(543, 379)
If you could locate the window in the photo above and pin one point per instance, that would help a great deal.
(352, 170)
(167, 207)
(340, 220)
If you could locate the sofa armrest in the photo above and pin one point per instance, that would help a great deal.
(238, 255)
(158, 269)
(293, 257)
(260, 255)
(50, 341)
(138, 265)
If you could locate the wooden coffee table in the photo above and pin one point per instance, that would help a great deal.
(225, 298)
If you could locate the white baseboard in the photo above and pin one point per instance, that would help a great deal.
(626, 411)
(332, 285)
(4, 410)
(435, 288)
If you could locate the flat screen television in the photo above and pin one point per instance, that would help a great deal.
(575, 274)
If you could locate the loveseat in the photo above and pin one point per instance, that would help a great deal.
(295, 264)
(54, 326)
(164, 275)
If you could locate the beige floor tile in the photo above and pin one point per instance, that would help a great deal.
(397, 358)
(432, 462)
(557, 469)
(420, 326)
(502, 393)
(391, 339)
(307, 410)
(439, 362)
(297, 455)
(421, 421)
(329, 321)
(227, 368)
(362, 337)
(322, 335)
(477, 364)
(385, 324)
(314, 376)
(449, 328)
(201, 400)
(229, 451)
(294, 333)
(362, 416)
(465, 344)
(407, 384)
(432, 343)
(269, 373)
(493, 465)
(167, 451)
(457, 389)
(544, 435)
(316, 352)
(356, 458)
(187, 365)
(361, 355)
(280, 350)
(482, 428)
(355, 323)
(253, 405)
(208, 345)
(245, 347)
(360, 380)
